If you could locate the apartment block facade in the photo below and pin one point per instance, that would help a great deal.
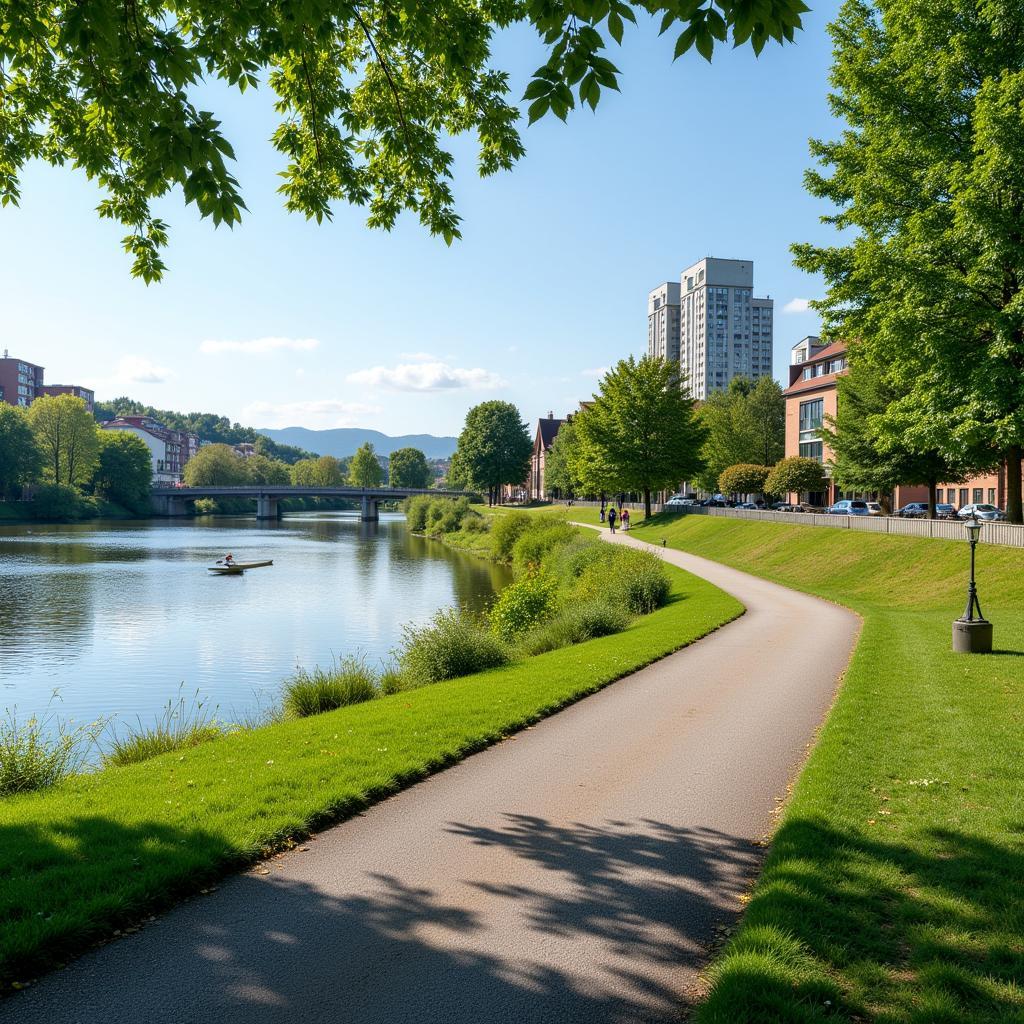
(21, 383)
(725, 331)
(169, 449)
(663, 321)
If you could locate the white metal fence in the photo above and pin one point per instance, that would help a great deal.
(939, 529)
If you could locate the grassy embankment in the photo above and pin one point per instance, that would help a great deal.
(99, 851)
(893, 888)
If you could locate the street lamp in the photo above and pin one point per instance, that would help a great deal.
(972, 634)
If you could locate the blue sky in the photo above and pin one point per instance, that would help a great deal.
(282, 322)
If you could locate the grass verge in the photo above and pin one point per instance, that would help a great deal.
(892, 889)
(98, 852)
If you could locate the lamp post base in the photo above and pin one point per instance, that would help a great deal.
(972, 636)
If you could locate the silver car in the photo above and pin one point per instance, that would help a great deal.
(982, 512)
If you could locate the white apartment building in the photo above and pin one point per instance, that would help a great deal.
(724, 331)
(663, 321)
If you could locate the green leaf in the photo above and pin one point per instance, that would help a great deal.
(539, 108)
(685, 41)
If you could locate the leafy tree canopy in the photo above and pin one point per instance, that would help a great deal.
(367, 94)
(67, 438)
(407, 467)
(216, 465)
(365, 469)
(326, 471)
(493, 449)
(743, 479)
(640, 433)
(926, 182)
(796, 475)
(261, 469)
(124, 471)
(20, 459)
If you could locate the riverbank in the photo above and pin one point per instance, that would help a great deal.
(891, 889)
(102, 851)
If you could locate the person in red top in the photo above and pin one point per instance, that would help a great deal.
(625, 518)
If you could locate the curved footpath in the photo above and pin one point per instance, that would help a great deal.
(574, 873)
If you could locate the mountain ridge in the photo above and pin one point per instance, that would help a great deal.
(342, 442)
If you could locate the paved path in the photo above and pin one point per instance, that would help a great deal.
(573, 874)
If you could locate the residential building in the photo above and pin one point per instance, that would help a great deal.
(20, 382)
(169, 449)
(547, 430)
(663, 321)
(84, 394)
(724, 330)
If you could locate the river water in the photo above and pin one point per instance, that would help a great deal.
(120, 618)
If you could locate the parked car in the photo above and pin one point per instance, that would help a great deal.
(982, 512)
(944, 511)
(785, 506)
(714, 503)
(677, 501)
(875, 509)
(849, 507)
(749, 505)
(914, 510)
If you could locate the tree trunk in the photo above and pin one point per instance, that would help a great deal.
(1014, 511)
(931, 498)
(647, 503)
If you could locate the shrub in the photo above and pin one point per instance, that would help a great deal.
(40, 752)
(416, 512)
(523, 604)
(578, 556)
(451, 644)
(577, 624)
(633, 579)
(743, 478)
(312, 693)
(475, 523)
(506, 530)
(535, 545)
(179, 727)
(56, 502)
(796, 474)
(392, 681)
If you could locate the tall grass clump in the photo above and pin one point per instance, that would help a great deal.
(523, 604)
(453, 643)
(41, 752)
(180, 726)
(576, 624)
(348, 681)
(635, 580)
(507, 529)
(534, 547)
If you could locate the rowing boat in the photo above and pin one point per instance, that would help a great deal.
(237, 568)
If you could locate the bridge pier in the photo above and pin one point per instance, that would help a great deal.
(167, 505)
(369, 510)
(266, 507)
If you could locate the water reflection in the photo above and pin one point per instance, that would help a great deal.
(118, 616)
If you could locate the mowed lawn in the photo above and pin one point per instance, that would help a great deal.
(99, 852)
(894, 890)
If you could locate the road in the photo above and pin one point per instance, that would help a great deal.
(574, 873)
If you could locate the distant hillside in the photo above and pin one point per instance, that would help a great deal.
(343, 441)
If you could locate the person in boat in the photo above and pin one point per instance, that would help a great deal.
(228, 559)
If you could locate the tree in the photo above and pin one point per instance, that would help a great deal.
(264, 470)
(407, 467)
(66, 435)
(20, 461)
(873, 444)
(796, 475)
(367, 93)
(493, 449)
(746, 424)
(928, 184)
(216, 465)
(325, 471)
(743, 479)
(641, 433)
(124, 471)
(365, 469)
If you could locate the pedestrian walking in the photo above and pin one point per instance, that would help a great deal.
(625, 519)
(602, 513)
(611, 518)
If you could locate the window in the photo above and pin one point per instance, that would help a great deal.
(811, 416)
(979, 495)
(951, 495)
(963, 495)
(991, 495)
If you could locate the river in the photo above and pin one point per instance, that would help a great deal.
(118, 618)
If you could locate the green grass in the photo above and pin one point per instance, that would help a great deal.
(97, 852)
(892, 891)
(349, 681)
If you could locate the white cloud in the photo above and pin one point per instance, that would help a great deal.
(433, 376)
(418, 357)
(259, 346)
(140, 370)
(797, 306)
(312, 413)
(596, 372)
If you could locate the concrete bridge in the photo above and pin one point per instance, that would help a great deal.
(172, 501)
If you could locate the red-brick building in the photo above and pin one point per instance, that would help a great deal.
(21, 383)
